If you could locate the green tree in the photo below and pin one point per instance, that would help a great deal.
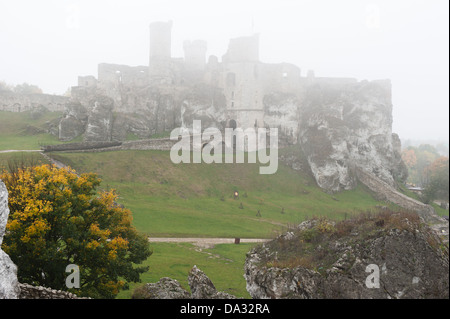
(438, 185)
(4, 87)
(58, 218)
(26, 88)
(417, 159)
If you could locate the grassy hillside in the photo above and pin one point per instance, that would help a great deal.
(19, 131)
(181, 200)
(27, 158)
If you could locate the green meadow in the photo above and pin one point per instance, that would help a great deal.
(21, 131)
(197, 200)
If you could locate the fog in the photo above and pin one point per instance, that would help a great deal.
(49, 43)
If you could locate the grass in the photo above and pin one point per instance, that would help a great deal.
(19, 131)
(223, 264)
(183, 200)
(28, 158)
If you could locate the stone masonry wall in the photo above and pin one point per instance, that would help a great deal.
(14, 102)
(389, 193)
(37, 292)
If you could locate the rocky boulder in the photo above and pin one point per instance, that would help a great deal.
(203, 288)
(74, 121)
(100, 120)
(349, 125)
(9, 285)
(167, 288)
(385, 255)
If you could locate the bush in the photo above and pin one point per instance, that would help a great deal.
(57, 218)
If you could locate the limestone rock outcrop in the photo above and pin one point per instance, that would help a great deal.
(9, 285)
(74, 121)
(100, 119)
(385, 256)
(349, 125)
(203, 288)
(167, 288)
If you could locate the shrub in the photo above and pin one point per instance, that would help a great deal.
(57, 218)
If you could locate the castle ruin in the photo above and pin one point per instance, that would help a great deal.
(235, 87)
(339, 123)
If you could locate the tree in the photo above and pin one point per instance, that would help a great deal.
(409, 157)
(57, 218)
(4, 87)
(417, 159)
(26, 88)
(438, 186)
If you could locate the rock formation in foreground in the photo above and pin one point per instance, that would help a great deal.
(9, 285)
(384, 255)
(166, 288)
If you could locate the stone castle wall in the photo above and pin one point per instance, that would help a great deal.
(38, 292)
(14, 102)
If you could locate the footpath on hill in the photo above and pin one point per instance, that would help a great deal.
(206, 242)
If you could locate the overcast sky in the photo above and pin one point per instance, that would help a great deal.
(50, 42)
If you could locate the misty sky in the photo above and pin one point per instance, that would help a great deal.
(50, 42)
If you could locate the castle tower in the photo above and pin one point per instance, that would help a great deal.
(242, 81)
(160, 51)
(243, 49)
(195, 55)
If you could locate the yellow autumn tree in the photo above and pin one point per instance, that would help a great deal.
(57, 219)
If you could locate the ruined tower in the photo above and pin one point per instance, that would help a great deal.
(195, 55)
(243, 82)
(243, 49)
(160, 52)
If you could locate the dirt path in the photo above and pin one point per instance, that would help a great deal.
(53, 161)
(205, 242)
